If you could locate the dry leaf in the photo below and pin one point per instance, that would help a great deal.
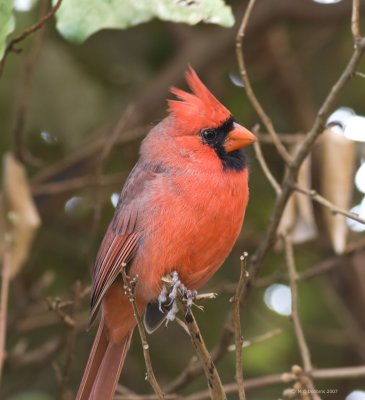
(337, 164)
(298, 218)
(20, 219)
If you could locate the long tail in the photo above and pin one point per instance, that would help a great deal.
(103, 367)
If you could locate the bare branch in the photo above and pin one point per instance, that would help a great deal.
(214, 382)
(237, 327)
(303, 347)
(247, 85)
(70, 343)
(355, 21)
(265, 381)
(257, 339)
(278, 379)
(130, 286)
(326, 203)
(265, 168)
(56, 306)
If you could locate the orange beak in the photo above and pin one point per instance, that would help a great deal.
(238, 137)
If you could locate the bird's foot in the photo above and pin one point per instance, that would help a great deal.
(173, 290)
(162, 298)
(190, 296)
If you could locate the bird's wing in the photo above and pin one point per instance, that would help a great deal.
(122, 238)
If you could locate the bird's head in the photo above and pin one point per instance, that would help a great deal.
(202, 124)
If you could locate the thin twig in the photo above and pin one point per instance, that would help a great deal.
(10, 47)
(237, 327)
(279, 379)
(355, 21)
(303, 347)
(303, 151)
(310, 273)
(54, 305)
(298, 329)
(287, 138)
(214, 382)
(71, 341)
(247, 85)
(130, 285)
(326, 203)
(257, 339)
(265, 169)
(339, 373)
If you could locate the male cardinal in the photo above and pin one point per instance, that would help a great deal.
(181, 209)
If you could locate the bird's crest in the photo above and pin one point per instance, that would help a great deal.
(199, 109)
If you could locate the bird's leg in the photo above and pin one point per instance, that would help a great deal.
(190, 297)
(172, 312)
(173, 289)
(162, 298)
(176, 285)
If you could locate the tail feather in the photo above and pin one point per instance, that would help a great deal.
(97, 352)
(110, 369)
(103, 367)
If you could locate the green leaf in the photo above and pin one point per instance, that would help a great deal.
(78, 19)
(7, 23)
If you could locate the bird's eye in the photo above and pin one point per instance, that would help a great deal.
(208, 134)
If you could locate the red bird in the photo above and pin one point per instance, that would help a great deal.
(181, 210)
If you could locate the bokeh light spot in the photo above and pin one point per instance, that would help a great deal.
(278, 298)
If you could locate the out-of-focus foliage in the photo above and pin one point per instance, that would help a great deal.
(7, 22)
(78, 19)
(31, 396)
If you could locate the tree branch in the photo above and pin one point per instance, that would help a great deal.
(247, 85)
(130, 287)
(214, 382)
(237, 327)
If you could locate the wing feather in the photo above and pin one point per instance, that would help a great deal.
(122, 238)
(120, 252)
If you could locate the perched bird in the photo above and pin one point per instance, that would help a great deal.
(181, 209)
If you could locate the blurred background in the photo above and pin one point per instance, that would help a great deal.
(73, 103)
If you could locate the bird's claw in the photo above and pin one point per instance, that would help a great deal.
(172, 288)
(162, 298)
(172, 312)
(190, 297)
